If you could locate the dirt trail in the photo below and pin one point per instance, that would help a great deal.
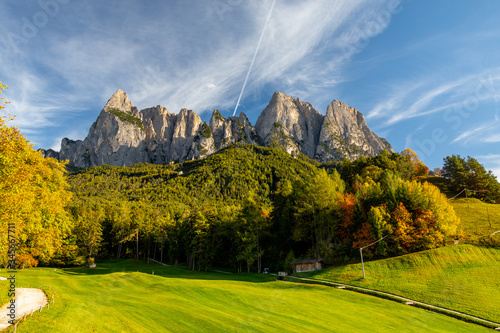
(27, 300)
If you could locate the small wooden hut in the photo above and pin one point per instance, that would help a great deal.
(308, 265)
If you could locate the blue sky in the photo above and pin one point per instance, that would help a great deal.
(426, 74)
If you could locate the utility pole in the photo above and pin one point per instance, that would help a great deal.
(362, 264)
(137, 244)
(488, 212)
(258, 249)
(361, 253)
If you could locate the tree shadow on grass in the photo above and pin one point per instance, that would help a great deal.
(138, 266)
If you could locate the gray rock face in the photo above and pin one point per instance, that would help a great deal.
(345, 134)
(116, 138)
(159, 127)
(232, 130)
(48, 153)
(295, 126)
(123, 136)
(290, 124)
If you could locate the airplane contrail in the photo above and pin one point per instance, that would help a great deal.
(253, 59)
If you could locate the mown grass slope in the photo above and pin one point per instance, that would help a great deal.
(124, 296)
(461, 277)
(478, 219)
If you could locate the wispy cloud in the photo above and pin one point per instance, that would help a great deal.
(183, 55)
(486, 133)
(433, 94)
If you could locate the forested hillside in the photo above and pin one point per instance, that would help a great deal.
(243, 207)
(248, 206)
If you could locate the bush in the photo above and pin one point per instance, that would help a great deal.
(205, 130)
(127, 117)
(26, 261)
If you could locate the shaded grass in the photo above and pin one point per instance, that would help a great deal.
(125, 296)
(440, 182)
(462, 277)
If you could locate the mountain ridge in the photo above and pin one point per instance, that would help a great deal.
(122, 135)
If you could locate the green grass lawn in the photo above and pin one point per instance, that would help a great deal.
(478, 219)
(461, 277)
(123, 296)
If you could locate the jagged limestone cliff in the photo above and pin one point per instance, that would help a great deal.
(290, 124)
(116, 138)
(296, 127)
(345, 134)
(123, 136)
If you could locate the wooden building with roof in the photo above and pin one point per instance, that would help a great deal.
(308, 265)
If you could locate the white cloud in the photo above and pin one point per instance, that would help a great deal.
(493, 138)
(432, 94)
(485, 133)
(490, 157)
(179, 55)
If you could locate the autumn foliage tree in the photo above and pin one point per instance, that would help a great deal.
(33, 196)
(419, 168)
(416, 216)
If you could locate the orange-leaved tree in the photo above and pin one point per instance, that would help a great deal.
(419, 168)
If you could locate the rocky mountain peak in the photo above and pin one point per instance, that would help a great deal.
(119, 101)
(122, 135)
(345, 134)
(279, 96)
(291, 124)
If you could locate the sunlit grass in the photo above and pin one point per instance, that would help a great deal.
(460, 277)
(124, 296)
(478, 219)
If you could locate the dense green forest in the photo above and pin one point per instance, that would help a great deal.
(249, 206)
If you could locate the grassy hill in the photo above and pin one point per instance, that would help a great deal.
(124, 296)
(461, 277)
(478, 219)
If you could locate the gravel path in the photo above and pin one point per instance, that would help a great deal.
(27, 300)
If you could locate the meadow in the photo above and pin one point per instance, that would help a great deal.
(459, 277)
(478, 219)
(123, 296)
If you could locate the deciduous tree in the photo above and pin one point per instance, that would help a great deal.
(33, 195)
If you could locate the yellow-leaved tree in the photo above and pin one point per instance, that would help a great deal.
(33, 195)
